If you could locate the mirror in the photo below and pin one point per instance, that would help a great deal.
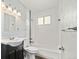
(8, 25)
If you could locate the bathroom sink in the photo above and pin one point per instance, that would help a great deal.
(14, 42)
(31, 49)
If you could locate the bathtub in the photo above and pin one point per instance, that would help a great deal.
(48, 54)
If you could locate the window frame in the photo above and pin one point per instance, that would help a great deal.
(43, 21)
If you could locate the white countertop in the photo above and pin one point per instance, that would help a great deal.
(13, 42)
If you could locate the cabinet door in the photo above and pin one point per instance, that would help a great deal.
(19, 54)
(11, 52)
(16, 53)
(3, 51)
(12, 55)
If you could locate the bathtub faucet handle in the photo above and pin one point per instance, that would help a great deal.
(62, 48)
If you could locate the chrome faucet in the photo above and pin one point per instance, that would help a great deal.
(12, 38)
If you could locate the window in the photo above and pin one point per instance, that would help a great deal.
(40, 21)
(44, 20)
(47, 20)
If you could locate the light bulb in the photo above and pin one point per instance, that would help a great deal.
(3, 6)
(10, 9)
(14, 11)
(19, 14)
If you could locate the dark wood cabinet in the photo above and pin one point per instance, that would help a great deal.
(3, 51)
(10, 52)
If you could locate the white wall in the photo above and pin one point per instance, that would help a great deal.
(46, 36)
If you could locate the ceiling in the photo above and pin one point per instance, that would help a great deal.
(39, 5)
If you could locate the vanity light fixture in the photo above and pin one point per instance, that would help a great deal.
(10, 9)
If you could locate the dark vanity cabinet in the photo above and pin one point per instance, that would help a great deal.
(3, 51)
(10, 52)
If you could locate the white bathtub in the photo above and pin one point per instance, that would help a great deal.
(49, 54)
